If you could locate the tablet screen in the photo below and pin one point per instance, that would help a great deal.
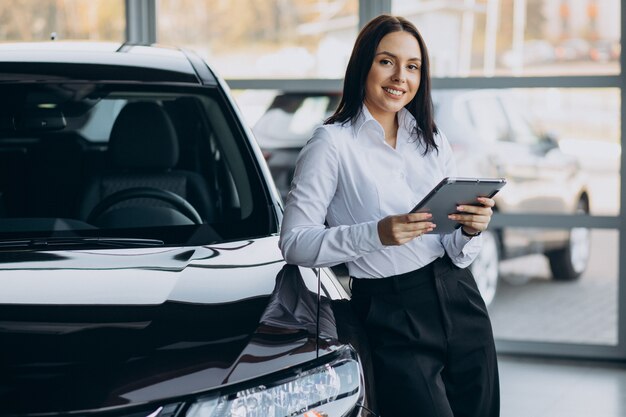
(452, 191)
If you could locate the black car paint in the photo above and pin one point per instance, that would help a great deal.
(84, 351)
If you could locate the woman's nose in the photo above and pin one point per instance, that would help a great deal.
(399, 76)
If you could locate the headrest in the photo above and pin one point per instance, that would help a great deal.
(143, 136)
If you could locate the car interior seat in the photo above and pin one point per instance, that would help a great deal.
(143, 151)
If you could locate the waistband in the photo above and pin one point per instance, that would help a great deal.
(394, 283)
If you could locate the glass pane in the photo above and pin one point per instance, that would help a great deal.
(37, 20)
(533, 303)
(518, 37)
(264, 38)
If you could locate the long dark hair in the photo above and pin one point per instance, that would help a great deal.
(350, 106)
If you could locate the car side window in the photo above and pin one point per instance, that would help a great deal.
(487, 116)
(101, 119)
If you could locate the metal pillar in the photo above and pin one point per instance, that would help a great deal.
(141, 21)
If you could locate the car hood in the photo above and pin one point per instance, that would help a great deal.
(99, 329)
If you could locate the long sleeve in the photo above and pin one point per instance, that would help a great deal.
(304, 239)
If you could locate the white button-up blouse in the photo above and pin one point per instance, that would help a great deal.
(350, 178)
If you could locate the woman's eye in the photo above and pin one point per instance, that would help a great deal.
(414, 67)
(385, 62)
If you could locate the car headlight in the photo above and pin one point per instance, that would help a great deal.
(331, 389)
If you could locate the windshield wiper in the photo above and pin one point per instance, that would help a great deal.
(46, 242)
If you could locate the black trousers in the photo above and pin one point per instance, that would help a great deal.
(431, 343)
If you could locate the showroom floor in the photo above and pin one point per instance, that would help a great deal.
(558, 388)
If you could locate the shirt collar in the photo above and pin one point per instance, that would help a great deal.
(364, 117)
(406, 121)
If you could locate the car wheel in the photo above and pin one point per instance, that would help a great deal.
(570, 262)
(485, 267)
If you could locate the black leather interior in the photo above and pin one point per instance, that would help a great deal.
(143, 152)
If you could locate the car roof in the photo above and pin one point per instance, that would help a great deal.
(101, 61)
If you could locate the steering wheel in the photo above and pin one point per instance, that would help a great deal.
(179, 203)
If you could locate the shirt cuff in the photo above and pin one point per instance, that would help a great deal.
(365, 237)
(460, 240)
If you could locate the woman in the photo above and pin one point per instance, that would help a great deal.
(372, 161)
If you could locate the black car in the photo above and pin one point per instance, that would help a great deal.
(139, 268)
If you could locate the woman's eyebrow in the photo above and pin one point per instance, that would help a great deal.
(396, 57)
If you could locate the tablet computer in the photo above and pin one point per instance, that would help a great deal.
(451, 192)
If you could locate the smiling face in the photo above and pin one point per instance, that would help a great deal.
(394, 77)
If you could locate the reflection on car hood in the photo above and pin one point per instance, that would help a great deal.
(85, 330)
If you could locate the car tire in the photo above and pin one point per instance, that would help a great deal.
(485, 267)
(569, 263)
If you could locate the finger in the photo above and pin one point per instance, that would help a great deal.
(478, 225)
(485, 211)
(413, 233)
(489, 202)
(417, 229)
(417, 217)
(470, 217)
(470, 221)
(412, 227)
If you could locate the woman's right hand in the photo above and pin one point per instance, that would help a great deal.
(402, 228)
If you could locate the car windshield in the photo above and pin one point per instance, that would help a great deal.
(163, 164)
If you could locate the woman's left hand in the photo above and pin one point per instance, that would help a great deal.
(474, 219)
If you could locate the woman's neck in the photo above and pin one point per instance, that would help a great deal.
(389, 123)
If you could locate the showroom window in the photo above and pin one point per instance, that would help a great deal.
(39, 20)
(264, 38)
(518, 37)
